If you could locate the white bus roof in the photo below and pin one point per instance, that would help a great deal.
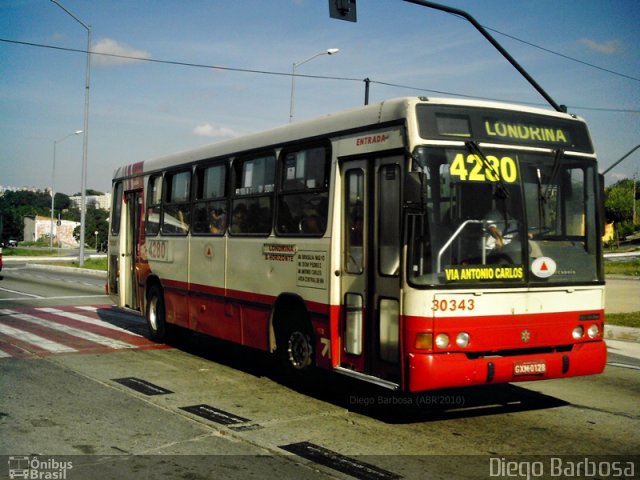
(386, 111)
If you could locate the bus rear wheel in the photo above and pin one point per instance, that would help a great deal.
(155, 315)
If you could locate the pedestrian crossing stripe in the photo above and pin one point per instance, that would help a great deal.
(86, 319)
(32, 338)
(48, 331)
(73, 331)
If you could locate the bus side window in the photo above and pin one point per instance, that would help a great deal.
(154, 205)
(304, 192)
(176, 211)
(116, 208)
(210, 205)
(252, 203)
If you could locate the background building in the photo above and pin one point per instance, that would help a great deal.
(95, 201)
(36, 228)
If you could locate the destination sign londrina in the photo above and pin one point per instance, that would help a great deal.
(519, 131)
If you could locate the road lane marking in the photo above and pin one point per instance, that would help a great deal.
(64, 297)
(31, 295)
(624, 365)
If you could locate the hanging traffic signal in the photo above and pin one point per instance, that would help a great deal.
(343, 9)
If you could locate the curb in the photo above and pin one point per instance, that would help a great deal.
(57, 268)
(625, 334)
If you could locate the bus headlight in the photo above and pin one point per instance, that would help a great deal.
(578, 332)
(462, 340)
(442, 340)
(593, 331)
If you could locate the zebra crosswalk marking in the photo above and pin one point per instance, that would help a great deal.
(75, 332)
(36, 340)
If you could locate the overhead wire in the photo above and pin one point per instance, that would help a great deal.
(319, 77)
(567, 57)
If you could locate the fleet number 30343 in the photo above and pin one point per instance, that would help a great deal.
(453, 305)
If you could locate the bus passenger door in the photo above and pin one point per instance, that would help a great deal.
(129, 249)
(370, 272)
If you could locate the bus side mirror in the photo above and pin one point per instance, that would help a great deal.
(413, 193)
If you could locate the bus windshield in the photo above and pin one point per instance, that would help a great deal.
(503, 216)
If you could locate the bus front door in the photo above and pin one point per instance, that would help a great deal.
(370, 272)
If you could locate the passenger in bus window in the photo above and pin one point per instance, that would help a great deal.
(183, 223)
(218, 222)
(311, 225)
(239, 219)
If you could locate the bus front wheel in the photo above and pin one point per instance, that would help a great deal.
(155, 315)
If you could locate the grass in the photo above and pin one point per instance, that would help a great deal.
(631, 267)
(90, 264)
(29, 252)
(630, 319)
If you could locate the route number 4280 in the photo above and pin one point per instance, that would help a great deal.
(472, 169)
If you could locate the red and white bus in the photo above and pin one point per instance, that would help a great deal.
(415, 244)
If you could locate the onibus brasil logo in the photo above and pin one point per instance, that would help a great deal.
(34, 467)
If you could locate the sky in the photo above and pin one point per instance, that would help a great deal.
(240, 55)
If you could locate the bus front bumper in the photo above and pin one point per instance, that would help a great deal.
(444, 370)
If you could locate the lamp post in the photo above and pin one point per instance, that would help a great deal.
(85, 140)
(53, 178)
(329, 51)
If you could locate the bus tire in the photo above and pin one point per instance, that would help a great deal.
(155, 315)
(295, 350)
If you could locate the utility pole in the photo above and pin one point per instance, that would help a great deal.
(633, 198)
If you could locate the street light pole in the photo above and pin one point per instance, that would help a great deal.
(329, 51)
(53, 178)
(85, 140)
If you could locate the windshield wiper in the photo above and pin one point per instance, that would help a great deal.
(501, 191)
(542, 217)
(554, 173)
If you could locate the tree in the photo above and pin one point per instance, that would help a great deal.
(619, 205)
(61, 202)
(95, 220)
(16, 205)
